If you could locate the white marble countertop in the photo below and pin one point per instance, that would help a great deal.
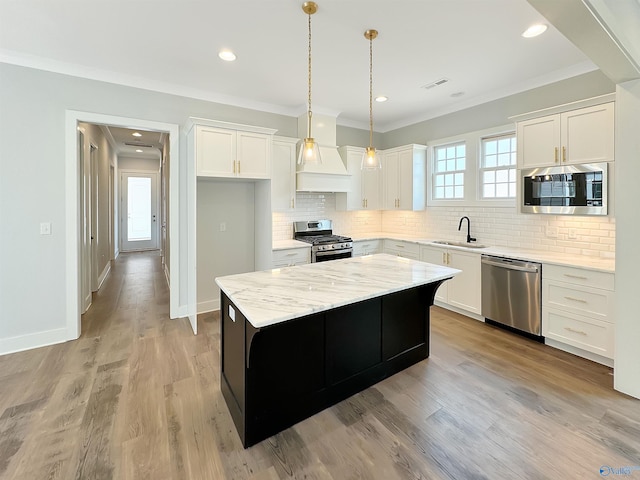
(273, 296)
(541, 256)
(286, 244)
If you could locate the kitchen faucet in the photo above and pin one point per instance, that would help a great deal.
(469, 237)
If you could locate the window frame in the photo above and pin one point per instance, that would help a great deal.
(511, 166)
(453, 173)
(472, 177)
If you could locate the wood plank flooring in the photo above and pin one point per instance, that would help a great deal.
(138, 397)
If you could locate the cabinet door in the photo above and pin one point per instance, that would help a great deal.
(437, 256)
(587, 134)
(253, 155)
(215, 152)
(465, 288)
(283, 176)
(539, 142)
(371, 189)
(405, 180)
(390, 180)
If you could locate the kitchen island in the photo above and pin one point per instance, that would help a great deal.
(299, 339)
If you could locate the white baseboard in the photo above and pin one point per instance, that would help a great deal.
(594, 357)
(104, 274)
(446, 306)
(209, 306)
(33, 340)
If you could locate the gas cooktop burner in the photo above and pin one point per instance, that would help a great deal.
(323, 239)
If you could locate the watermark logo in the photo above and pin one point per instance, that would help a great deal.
(606, 470)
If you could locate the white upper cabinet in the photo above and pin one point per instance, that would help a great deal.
(283, 174)
(404, 180)
(232, 152)
(364, 186)
(583, 135)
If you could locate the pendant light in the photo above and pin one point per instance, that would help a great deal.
(309, 152)
(370, 158)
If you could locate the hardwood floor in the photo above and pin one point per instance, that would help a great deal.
(137, 397)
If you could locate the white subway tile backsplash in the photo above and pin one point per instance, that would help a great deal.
(595, 236)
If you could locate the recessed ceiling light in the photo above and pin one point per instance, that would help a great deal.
(136, 134)
(381, 98)
(535, 30)
(138, 150)
(227, 55)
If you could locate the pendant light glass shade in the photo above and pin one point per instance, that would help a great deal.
(308, 149)
(370, 158)
(308, 152)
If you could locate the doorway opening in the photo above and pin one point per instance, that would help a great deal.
(79, 194)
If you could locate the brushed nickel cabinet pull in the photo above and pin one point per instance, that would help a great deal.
(580, 332)
(555, 155)
(576, 299)
(234, 166)
(564, 154)
(575, 276)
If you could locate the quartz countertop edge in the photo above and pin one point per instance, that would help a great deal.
(273, 296)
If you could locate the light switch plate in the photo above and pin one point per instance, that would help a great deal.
(45, 228)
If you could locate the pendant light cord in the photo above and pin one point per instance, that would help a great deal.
(309, 95)
(371, 91)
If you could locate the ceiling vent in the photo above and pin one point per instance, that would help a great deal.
(435, 84)
(133, 144)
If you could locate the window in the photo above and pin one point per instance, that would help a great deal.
(449, 166)
(498, 167)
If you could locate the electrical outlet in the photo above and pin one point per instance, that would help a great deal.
(552, 232)
(573, 234)
(223, 226)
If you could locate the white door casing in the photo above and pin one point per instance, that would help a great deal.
(74, 214)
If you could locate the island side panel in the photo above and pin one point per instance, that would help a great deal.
(232, 362)
(285, 376)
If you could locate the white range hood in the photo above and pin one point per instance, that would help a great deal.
(331, 175)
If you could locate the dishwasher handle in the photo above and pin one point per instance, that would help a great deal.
(525, 267)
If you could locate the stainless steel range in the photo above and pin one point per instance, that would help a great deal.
(324, 244)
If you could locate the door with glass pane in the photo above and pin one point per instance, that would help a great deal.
(139, 211)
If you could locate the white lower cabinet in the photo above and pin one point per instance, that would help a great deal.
(402, 249)
(291, 256)
(577, 308)
(464, 290)
(366, 247)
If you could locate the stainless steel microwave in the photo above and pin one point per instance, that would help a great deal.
(565, 190)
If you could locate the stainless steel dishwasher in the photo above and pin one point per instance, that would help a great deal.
(511, 294)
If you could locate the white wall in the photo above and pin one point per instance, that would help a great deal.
(627, 354)
(32, 185)
(223, 252)
(139, 164)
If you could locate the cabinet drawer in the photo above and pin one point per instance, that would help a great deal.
(594, 302)
(366, 247)
(579, 276)
(586, 333)
(289, 257)
(402, 249)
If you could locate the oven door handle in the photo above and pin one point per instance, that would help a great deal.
(334, 252)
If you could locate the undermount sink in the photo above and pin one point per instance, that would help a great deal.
(460, 244)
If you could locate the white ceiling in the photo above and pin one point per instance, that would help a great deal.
(172, 46)
(151, 143)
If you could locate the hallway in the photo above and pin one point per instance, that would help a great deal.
(138, 397)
